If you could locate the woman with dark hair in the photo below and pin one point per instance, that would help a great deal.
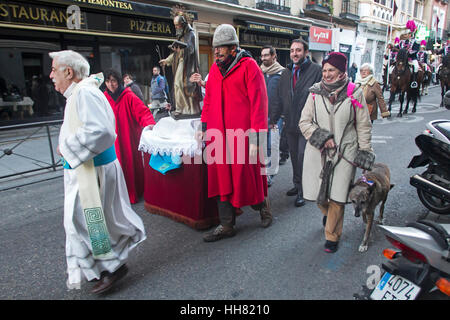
(131, 117)
(336, 123)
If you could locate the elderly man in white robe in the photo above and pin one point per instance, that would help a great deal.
(101, 227)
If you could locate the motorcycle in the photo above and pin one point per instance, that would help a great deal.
(419, 267)
(433, 185)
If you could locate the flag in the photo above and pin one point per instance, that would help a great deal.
(437, 23)
(395, 9)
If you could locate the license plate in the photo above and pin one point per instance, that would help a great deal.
(393, 287)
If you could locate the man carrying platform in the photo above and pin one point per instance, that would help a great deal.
(234, 118)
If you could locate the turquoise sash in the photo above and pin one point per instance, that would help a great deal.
(107, 156)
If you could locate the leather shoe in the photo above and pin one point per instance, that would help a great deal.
(299, 201)
(219, 233)
(292, 192)
(109, 279)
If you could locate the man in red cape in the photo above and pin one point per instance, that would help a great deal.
(234, 116)
(131, 117)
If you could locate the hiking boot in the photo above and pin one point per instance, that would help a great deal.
(266, 215)
(219, 233)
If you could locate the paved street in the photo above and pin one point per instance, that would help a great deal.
(285, 261)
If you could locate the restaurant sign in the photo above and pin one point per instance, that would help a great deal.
(72, 17)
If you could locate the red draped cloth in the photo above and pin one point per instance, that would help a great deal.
(181, 194)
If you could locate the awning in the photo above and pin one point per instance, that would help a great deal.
(268, 28)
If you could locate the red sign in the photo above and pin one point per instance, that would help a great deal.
(320, 35)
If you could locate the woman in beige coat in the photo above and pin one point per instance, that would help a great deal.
(339, 135)
(372, 92)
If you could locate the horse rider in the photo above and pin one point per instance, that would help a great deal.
(413, 46)
(422, 57)
(443, 52)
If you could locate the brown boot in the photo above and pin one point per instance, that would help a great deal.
(219, 233)
(266, 215)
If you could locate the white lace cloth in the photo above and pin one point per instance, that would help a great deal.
(171, 137)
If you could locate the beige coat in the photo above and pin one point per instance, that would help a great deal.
(339, 119)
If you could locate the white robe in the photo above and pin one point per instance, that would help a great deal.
(125, 227)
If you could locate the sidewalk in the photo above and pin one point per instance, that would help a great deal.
(24, 151)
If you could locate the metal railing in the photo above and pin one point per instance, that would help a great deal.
(280, 6)
(350, 6)
(16, 136)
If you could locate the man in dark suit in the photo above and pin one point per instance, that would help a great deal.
(289, 101)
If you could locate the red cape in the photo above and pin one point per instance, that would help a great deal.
(236, 101)
(131, 116)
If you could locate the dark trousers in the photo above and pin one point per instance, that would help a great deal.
(284, 147)
(227, 213)
(297, 144)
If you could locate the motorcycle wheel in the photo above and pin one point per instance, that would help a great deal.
(433, 203)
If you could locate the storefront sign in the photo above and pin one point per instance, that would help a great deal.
(127, 7)
(262, 27)
(259, 40)
(360, 44)
(345, 48)
(75, 18)
(108, 4)
(320, 39)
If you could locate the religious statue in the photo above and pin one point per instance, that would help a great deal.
(184, 61)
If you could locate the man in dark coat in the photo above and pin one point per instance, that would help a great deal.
(289, 101)
(353, 71)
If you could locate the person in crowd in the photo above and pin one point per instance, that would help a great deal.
(272, 72)
(372, 92)
(157, 86)
(40, 96)
(101, 227)
(339, 132)
(233, 179)
(129, 82)
(353, 72)
(289, 101)
(131, 117)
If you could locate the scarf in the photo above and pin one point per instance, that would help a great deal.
(226, 63)
(89, 192)
(116, 94)
(230, 61)
(333, 91)
(364, 81)
(272, 69)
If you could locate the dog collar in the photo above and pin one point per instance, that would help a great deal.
(364, 179)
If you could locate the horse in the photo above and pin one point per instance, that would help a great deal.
(426, 79)
(444, 77)
(414, 93)
(400, 79)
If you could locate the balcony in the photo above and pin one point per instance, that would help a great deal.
(229, 1)
(278, 6)
(350, 10)
(319, 6)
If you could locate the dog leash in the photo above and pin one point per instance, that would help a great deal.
(340, 156)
